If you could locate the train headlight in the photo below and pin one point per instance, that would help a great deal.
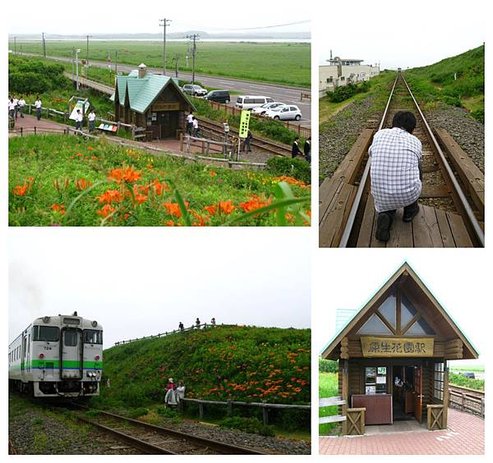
(46, 319)
(94, 323)
(41, 356)
(97, 357)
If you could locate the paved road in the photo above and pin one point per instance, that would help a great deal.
(289, 95)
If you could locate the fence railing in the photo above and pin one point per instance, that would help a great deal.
(229, 404)
(467, 400)
(166, 333)
(353, 421)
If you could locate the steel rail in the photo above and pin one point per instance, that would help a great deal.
(139, 443)
(222, 447)
(361, 187)
(464, 203)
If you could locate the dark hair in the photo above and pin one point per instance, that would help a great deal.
(404, 120)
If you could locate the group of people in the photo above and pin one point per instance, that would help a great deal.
(91, 119)
(16, 106)
(192, 125)
(173, 393)
(307, 149)
(181, 326)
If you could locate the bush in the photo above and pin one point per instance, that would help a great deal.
(250, 425)
(138, 412)
(297, 168)
(328, 366)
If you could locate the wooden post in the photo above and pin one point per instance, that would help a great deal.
(265, 415)
(344, 391)
(201, 410)
(446, 394)
(230, 408)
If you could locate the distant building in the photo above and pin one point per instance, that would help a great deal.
(342, 71)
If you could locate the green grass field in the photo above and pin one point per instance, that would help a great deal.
(328, 388)
(283, 63)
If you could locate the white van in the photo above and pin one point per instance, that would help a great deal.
(249, 101)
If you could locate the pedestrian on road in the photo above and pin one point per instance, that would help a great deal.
(181, 327)
(197, 323)
(395, 172)
(295, 148)
(38, 106)
(91, 118)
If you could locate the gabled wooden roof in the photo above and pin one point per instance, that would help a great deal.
(408, 281)
(141, 92)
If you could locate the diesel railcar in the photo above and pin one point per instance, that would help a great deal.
(58, 356)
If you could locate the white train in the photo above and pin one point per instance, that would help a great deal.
(58, 356)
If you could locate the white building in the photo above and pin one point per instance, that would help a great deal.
(341, 71)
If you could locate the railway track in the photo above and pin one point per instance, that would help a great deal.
(215, 130)
(151, 439)
(452, 198)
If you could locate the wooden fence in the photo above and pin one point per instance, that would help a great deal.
(231, 403)
(467, 400)
(353, 421)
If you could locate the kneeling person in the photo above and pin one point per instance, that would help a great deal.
(395, 172)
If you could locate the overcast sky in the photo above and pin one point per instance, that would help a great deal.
(399, 34)
(95, 16)
(143, 281)
(348, 279)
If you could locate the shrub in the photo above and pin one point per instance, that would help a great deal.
(297, 168)
(137, 412)
(250, 425)
(328, 366)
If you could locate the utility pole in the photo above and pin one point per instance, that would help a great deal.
(164, 22)
(87, 54)
(194, 38)
(15, 45)
(44, 44)
(77, 84)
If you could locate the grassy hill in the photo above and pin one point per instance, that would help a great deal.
(457, 81)
(226, 362)
(62, 180)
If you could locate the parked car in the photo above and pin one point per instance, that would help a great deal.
(220, 96)
(260, 110)
(469, 374)
(284, 112)
(251, 101)
(195, 90)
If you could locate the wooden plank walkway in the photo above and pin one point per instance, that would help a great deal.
(431, 228)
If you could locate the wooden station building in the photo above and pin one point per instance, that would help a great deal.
(151, 101)
(393, 355)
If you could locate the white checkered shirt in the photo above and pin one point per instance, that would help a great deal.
(394, 171)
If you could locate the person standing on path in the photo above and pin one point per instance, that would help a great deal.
(307, 149)
(91, 118)
(20, 106)
(295, 148)
(79, 118)
(38, 105)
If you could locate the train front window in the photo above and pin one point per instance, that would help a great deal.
(93, 337)
(46, 333)
(70, 338)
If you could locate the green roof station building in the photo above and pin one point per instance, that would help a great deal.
(151, 101)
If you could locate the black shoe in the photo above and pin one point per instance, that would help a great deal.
(410, 213)
(384, 222)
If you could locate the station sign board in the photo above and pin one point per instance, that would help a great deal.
(372, 346)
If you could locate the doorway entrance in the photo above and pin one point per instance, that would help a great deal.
(407, 392)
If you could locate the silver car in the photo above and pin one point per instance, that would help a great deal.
(195, 90)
